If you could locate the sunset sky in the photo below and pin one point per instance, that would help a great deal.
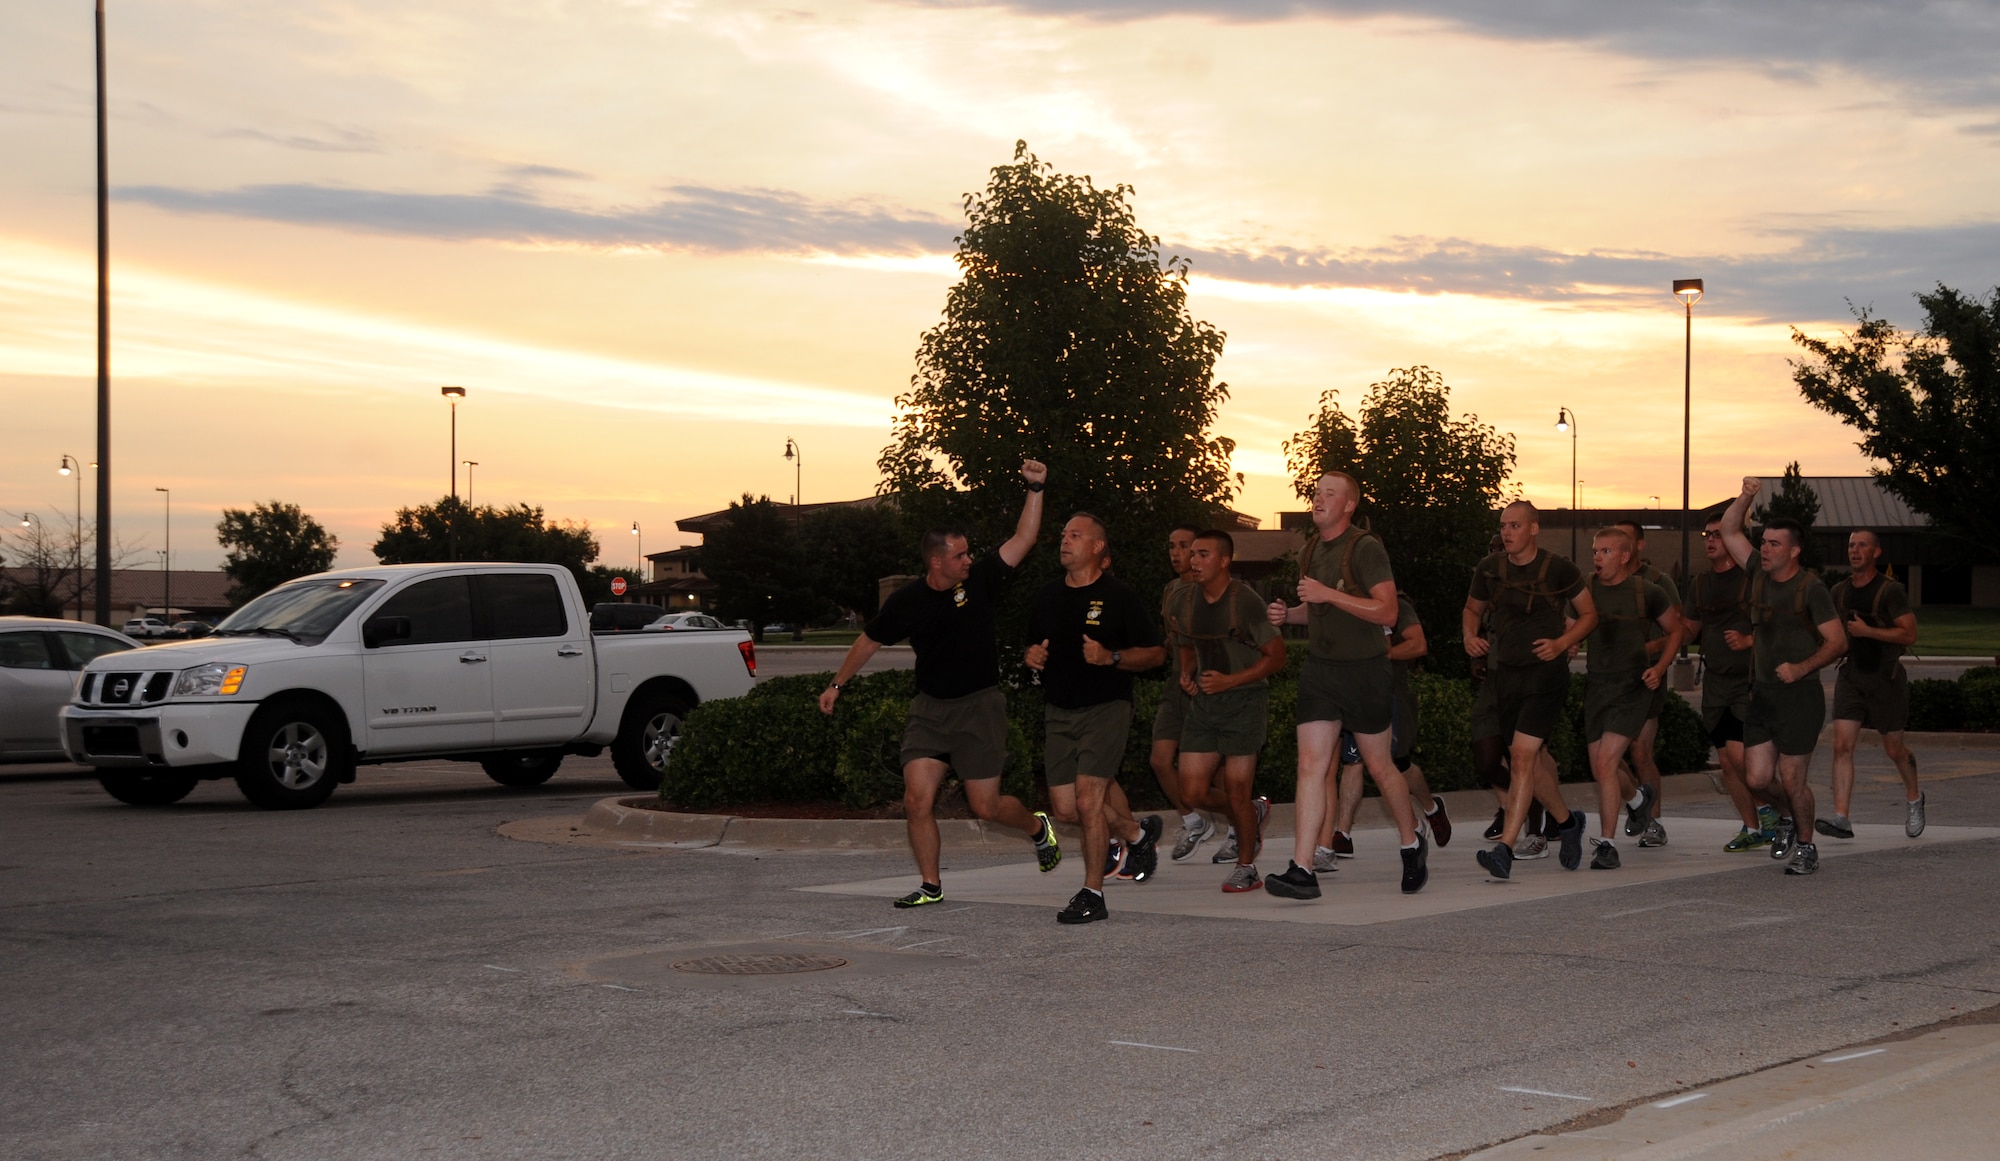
(655, 239)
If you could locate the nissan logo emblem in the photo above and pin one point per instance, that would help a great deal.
(121, 688)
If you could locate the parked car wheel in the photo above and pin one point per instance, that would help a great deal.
(522, 770)
(646, 739)
(148, 789)
(292, 758)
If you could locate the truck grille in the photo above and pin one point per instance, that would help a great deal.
(125, 688)
(119, 688)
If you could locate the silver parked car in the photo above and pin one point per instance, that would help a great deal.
(40, 658)
(678, 621)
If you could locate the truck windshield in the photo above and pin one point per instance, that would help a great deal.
(305, 611)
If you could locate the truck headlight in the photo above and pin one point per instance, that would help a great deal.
(217, 677)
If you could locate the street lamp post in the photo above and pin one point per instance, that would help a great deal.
(798, 459)
(69, 467)
(468, 465)
(166, 571)
(1566, 421)
(1688, 290)
(638, 552)
(452, 395)
(103, 348)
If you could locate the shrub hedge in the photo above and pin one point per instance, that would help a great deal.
(773, 744)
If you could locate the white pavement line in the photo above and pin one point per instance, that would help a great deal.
(1157, 1047)
(926, 943)
(618, 987)
(494, 967)
(1654, 907)
(865, 1012)
(954, 911)
(1679, 1100)
(1852, 1056)
(870, 931)
(1542, 1092)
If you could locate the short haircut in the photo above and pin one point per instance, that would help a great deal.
(1532, 514)
(1789, 527)
(1616, 532)
(1227, 541)
(1874, 538)
(1103, 532)
(1190, 529)
(934, 542)
(1714, 520)
(1637, 530)
(1353, 485)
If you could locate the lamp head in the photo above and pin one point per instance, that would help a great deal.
(452, 393)
(635, 528)
(163, 489)
(791, 449)
(1688, 290)
(25, 521)
(64, 469)
(1562, 419)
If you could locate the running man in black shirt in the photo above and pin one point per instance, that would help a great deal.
(958, 720)
(1872, 688)
(1091, 633)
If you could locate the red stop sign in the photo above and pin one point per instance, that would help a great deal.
(617, 586)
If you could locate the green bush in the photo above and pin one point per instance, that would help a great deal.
(752, 749)
(1444, 734)
(1936, 704)
(1981, 686)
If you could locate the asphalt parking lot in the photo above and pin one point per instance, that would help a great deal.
(389, 977)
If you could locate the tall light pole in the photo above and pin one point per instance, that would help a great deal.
(1688, 290)
(103, 348)
(798, 459)
(452, 395)
(638, 552)
(468, 465)
(69, 467)
(167, 571)
(1566, 421)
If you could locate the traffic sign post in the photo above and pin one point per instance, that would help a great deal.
(617, 586)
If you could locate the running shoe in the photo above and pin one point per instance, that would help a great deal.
(1295, 883)
(1571, 856)
(1767, 821)
(1786, 840)
(1142, 858)
(925, 893)
(1531, 846)
(1228, 852)
(1086, 906)
(1324, 860)
(1440, 822)
(1606, 858)
(1499, 862)
(1655, 836)
(1835, 827)
(1636, 817)
(1114, 854)
(1913, 822)
(1499, 826)
(1191, 837)
(1805, 862)
(1416, 865)
(1048, 852)
(1343, 845)
(1745, 840)
(1243, 878)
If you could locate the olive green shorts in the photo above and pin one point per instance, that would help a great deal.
(1615, 703)
(1360, 695)
(967, 733)
(1878, 703)
(1789, 715)
(1172, 715)
(1530, 698)
(1231, 724)
(1485, 711)
(1725, 703)
(1088, 741)
(1656, 699)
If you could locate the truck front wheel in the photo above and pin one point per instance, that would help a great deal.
(148, 789)
(646, 740)
(292, 758)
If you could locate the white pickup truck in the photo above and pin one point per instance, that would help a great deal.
(488, 663)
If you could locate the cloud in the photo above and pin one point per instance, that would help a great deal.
(1943, 48)
(336, 141)
(691, 217)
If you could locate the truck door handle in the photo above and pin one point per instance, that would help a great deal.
(471, 658)
(569, 651)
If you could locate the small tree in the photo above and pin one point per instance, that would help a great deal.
(1927, 406)
(1430, 483)
(45, 561)
(270, 544)
(849, 550)
(1797, 500)
(759, 570)
(518, 532)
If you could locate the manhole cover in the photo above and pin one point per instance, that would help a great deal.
(758, 965)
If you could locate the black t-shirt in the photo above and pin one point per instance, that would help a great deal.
(1107, 611)
(958, 651)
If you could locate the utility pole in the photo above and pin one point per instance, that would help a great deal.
(103, 349)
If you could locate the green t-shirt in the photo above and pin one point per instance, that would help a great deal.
(1865, 655)
(1167, 595)
(1336, 634)
(1625, 611)
(1646, 572)
(1788, 616)
(1406, 619)
(1722, 605)
(1225, 641)
(1525, 601)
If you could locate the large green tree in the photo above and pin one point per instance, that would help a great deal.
(848, 550)
(1068, 340)
(518, 532)
(1927, 405)
(270, 544)
(1430, 483)
(759, 568)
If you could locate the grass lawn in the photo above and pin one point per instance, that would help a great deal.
(1957, 632)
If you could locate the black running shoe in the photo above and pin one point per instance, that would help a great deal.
(1606, 858)
(1295, 883)
(1570, 854)
(1636, 817)
(1416, 865)
(1499, 862)
(1805, 862)
(1439, 820)
(1499, 826)
(925, 893)
(1114, 854)
(1551, 829)
(1786, 841)
(1142, 858)
(1835, 827)
(1086, 906)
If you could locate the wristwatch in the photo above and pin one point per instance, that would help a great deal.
(1036, 485)
(1115, 657)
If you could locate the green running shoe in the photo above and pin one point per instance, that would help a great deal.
(1767, 820)
(1746, 840)
(1048, 852)
(924, 893)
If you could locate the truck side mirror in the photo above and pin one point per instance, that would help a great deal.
(379, 631)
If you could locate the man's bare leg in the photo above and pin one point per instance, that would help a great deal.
(984, 797)
(1389, 781)
(1846, 735)
(1643, 762)
(1199, 792)
(1730, 756)
(1605, 754)
(1760, 774)
(921, 780)
(1792, 770)
(1319, 744)
(1906, 764)
(1090, 803)
(1529, 753)
(1163, 760)
(1346, 806)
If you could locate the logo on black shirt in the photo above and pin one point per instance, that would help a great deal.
(958, 596)
(1095, 614)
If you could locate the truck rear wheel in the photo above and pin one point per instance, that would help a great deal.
(646, 738)
(292, 758)
(148, 789)
(531, 768)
